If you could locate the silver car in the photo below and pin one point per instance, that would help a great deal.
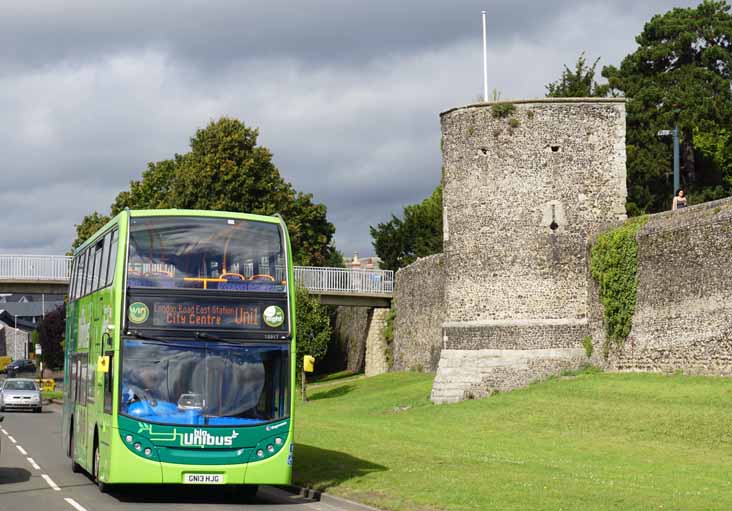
(21, 394)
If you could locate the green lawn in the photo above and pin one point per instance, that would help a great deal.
(590, 442)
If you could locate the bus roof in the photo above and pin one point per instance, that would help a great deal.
(136, 213)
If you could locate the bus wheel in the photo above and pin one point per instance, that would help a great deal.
(249, 490)
(103, 487)
(75, 467)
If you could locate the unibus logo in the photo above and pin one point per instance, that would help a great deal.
(202, 438)
(138, 312)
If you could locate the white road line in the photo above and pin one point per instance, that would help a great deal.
(33, 463)
(22, 451)
(4, 432)
(50, 482)
(75, 504)
(12, 439)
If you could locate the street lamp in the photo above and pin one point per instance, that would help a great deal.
(674, 133)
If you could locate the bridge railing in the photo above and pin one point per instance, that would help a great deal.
(47, 268)
(342, 280)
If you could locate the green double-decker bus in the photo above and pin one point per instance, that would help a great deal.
(179, 351)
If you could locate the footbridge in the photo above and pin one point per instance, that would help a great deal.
(49, 274)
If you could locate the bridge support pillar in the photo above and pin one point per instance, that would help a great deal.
(376, 362)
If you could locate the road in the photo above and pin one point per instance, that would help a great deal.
(35, 474)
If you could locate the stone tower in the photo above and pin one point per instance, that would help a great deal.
(526, 184)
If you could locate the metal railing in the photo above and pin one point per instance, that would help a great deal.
(341, 280)
(48, 268)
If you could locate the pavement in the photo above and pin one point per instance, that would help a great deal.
(35, 474)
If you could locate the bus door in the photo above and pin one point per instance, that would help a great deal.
(80, 372)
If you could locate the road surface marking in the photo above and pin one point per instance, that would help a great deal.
(4, 432)
(11, 439)
(50, 482)
(22, 451)
(33, 463)
(75, 504)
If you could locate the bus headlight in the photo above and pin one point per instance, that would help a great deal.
(270, 448)
(128, 439)
(278, 441)
(138, 447)
(260, 453)
(148, 451)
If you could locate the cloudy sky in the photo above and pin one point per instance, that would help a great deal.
(345, 94)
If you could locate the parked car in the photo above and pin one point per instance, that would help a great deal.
(20, 394)
(20, 366)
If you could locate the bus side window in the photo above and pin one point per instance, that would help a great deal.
(109, 383)
(112, 257)
(80, 268)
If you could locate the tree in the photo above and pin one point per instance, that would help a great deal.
(680, 73)
(88, 226)
(51, 337)
(226, 170)
(313, 327)
(400, 242)
(579, 83)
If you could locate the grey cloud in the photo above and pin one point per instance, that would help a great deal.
(347, 98)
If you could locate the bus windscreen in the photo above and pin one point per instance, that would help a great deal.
(206, 253)
(204, 383)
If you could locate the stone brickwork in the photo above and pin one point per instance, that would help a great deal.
(419, 299)
(683, 315)
(376, 362)
(351, 328)
(522, 194)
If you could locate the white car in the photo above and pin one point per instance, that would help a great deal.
(20, 394)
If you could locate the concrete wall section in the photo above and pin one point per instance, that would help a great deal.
(420, 311)
(683, 315)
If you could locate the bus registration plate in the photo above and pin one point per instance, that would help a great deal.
(203, 479)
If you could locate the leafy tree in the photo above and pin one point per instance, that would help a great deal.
(313, 327)
(400, 242)
(579, 83)
(679, 73)
(51, 337)
(226, 170)
(88, 226)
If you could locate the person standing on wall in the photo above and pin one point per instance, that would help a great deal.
(679, 200)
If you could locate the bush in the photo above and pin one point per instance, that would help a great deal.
(313, 327)
(587, 343)
(614, 262)
(502, 110)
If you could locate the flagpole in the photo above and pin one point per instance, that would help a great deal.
(485, 62)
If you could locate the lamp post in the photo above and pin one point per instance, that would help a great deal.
(675, 134)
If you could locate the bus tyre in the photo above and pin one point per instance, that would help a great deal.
(103, 487)
(249, 490)
(75, 467)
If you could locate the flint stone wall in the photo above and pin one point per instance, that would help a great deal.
(419, 299)
(522, 195)
(683, 315)
(351, 329)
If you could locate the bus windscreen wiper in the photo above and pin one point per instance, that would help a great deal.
(204, 336)
(139, 335)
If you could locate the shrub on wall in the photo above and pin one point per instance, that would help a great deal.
(614, 262)
(502, 110)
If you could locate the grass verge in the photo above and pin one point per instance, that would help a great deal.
(577, 442)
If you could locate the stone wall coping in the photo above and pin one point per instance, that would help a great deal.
(515, 322)
(483, 104)
(420, 261)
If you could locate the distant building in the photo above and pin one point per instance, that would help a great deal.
(366, 263)
(27, 310)
(13, 341)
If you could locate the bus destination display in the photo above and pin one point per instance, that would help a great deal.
(191, 315)
(207, 314)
